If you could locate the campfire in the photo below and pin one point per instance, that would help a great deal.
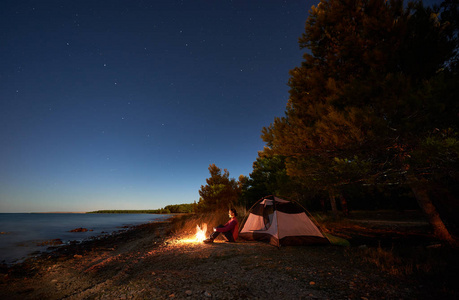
(201, 233)
(197, 238)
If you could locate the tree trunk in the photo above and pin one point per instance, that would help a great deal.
(332, 197)
(419, 189)
(344, 208)
(322, 204)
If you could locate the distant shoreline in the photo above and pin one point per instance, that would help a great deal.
(61, 212)
(47, 212)
(127, 211)
(152, 211)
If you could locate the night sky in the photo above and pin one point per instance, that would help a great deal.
(124, 104)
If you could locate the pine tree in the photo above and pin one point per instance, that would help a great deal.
(221, 192)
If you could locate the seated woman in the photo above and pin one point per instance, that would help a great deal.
(230, 230)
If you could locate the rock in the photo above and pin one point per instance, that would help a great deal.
(54, 242)
(189, 292)
(78, 256)
(81, 229)
(312, 283)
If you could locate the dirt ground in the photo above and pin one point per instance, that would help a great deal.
(150, 262)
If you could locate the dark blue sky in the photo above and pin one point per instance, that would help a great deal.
(124, 104)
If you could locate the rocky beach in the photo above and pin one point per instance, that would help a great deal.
(157, 261)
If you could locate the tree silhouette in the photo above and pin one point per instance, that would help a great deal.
(220, 192)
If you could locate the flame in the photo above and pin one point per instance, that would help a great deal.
(201, 232)
(198, 237)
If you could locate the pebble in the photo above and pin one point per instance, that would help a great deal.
(207, 294)
(189, 292)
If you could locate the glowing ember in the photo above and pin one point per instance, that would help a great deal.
(201, 232)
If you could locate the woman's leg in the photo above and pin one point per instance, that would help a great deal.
(229, 236)
(215, 234)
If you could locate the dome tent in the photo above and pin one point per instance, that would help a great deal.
(280, 222)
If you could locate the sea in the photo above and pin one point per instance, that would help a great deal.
(24, 235)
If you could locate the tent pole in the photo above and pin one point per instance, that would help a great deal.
(277, 222)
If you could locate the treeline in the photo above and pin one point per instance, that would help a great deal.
(125, 211)
(169, 209)
(371, 118)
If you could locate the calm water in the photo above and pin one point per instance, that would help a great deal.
(22, 233)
